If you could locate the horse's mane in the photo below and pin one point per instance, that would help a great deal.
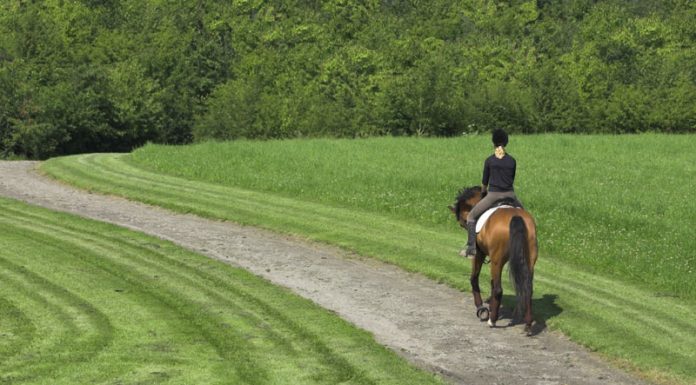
(464, 195)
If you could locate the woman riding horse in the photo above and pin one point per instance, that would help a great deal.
(498, 179)
(509, 234)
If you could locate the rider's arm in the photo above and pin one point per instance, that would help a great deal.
(486, 176)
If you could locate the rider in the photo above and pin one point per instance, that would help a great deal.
(498, 178)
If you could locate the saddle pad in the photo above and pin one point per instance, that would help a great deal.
(486, 214)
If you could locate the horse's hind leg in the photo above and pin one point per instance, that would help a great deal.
(528, 308)
(528, 317)
(496, 292)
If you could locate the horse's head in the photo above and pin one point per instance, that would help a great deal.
(466, 200)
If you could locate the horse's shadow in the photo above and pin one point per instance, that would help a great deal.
(544, 309)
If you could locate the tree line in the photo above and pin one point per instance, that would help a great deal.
(110, 75)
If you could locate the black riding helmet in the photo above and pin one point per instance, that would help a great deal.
(500, 137)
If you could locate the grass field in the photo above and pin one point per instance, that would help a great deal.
(615, 218)
(84, 302)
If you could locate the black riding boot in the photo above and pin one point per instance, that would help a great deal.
(471, 242)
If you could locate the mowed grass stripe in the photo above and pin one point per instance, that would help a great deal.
(618, 295)
(348, 227)
(49, 316)
(53, 229)
(631, 303)
(284, 331)
(193, 303)
(342, 227)
(618, 334)
(18, 331)
(79, 330)
(48, 352)
(118, 167)
(75, 258)
(162, 301)
(256, 204)
(410, 247)
(189, 287)
(634, 320)
(623, 321)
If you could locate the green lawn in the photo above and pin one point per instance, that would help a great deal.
(84, 302)
(615, 217)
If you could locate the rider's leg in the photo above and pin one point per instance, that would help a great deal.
(471, 241)
(474, 214)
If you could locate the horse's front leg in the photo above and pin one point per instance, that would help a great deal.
(496, 292)
(481, 311)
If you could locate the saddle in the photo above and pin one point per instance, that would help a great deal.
(502, 203)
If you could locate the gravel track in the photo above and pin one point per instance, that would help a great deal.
(431, 325)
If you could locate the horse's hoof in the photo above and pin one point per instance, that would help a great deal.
(491, 323)
(482, 313)
(528, 330)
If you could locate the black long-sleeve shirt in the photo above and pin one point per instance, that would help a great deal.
(499, 174)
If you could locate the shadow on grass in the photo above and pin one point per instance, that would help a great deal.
(543, 308)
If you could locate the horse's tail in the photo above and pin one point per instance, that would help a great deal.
(520, 273)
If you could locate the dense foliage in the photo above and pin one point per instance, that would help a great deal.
(106, 75)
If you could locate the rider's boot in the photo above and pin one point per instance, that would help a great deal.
(470, 251)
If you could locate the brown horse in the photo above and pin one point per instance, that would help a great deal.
(508, 235)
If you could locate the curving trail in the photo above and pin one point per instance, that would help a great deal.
(428, 323)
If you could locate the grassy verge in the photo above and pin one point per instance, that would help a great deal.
(85, 302)
(616, 268)
(617, 204)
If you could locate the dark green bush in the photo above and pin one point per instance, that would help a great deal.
(110, 76)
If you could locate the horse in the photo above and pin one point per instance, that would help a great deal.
(509, 234)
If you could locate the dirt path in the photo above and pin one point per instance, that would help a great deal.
(429, 324)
